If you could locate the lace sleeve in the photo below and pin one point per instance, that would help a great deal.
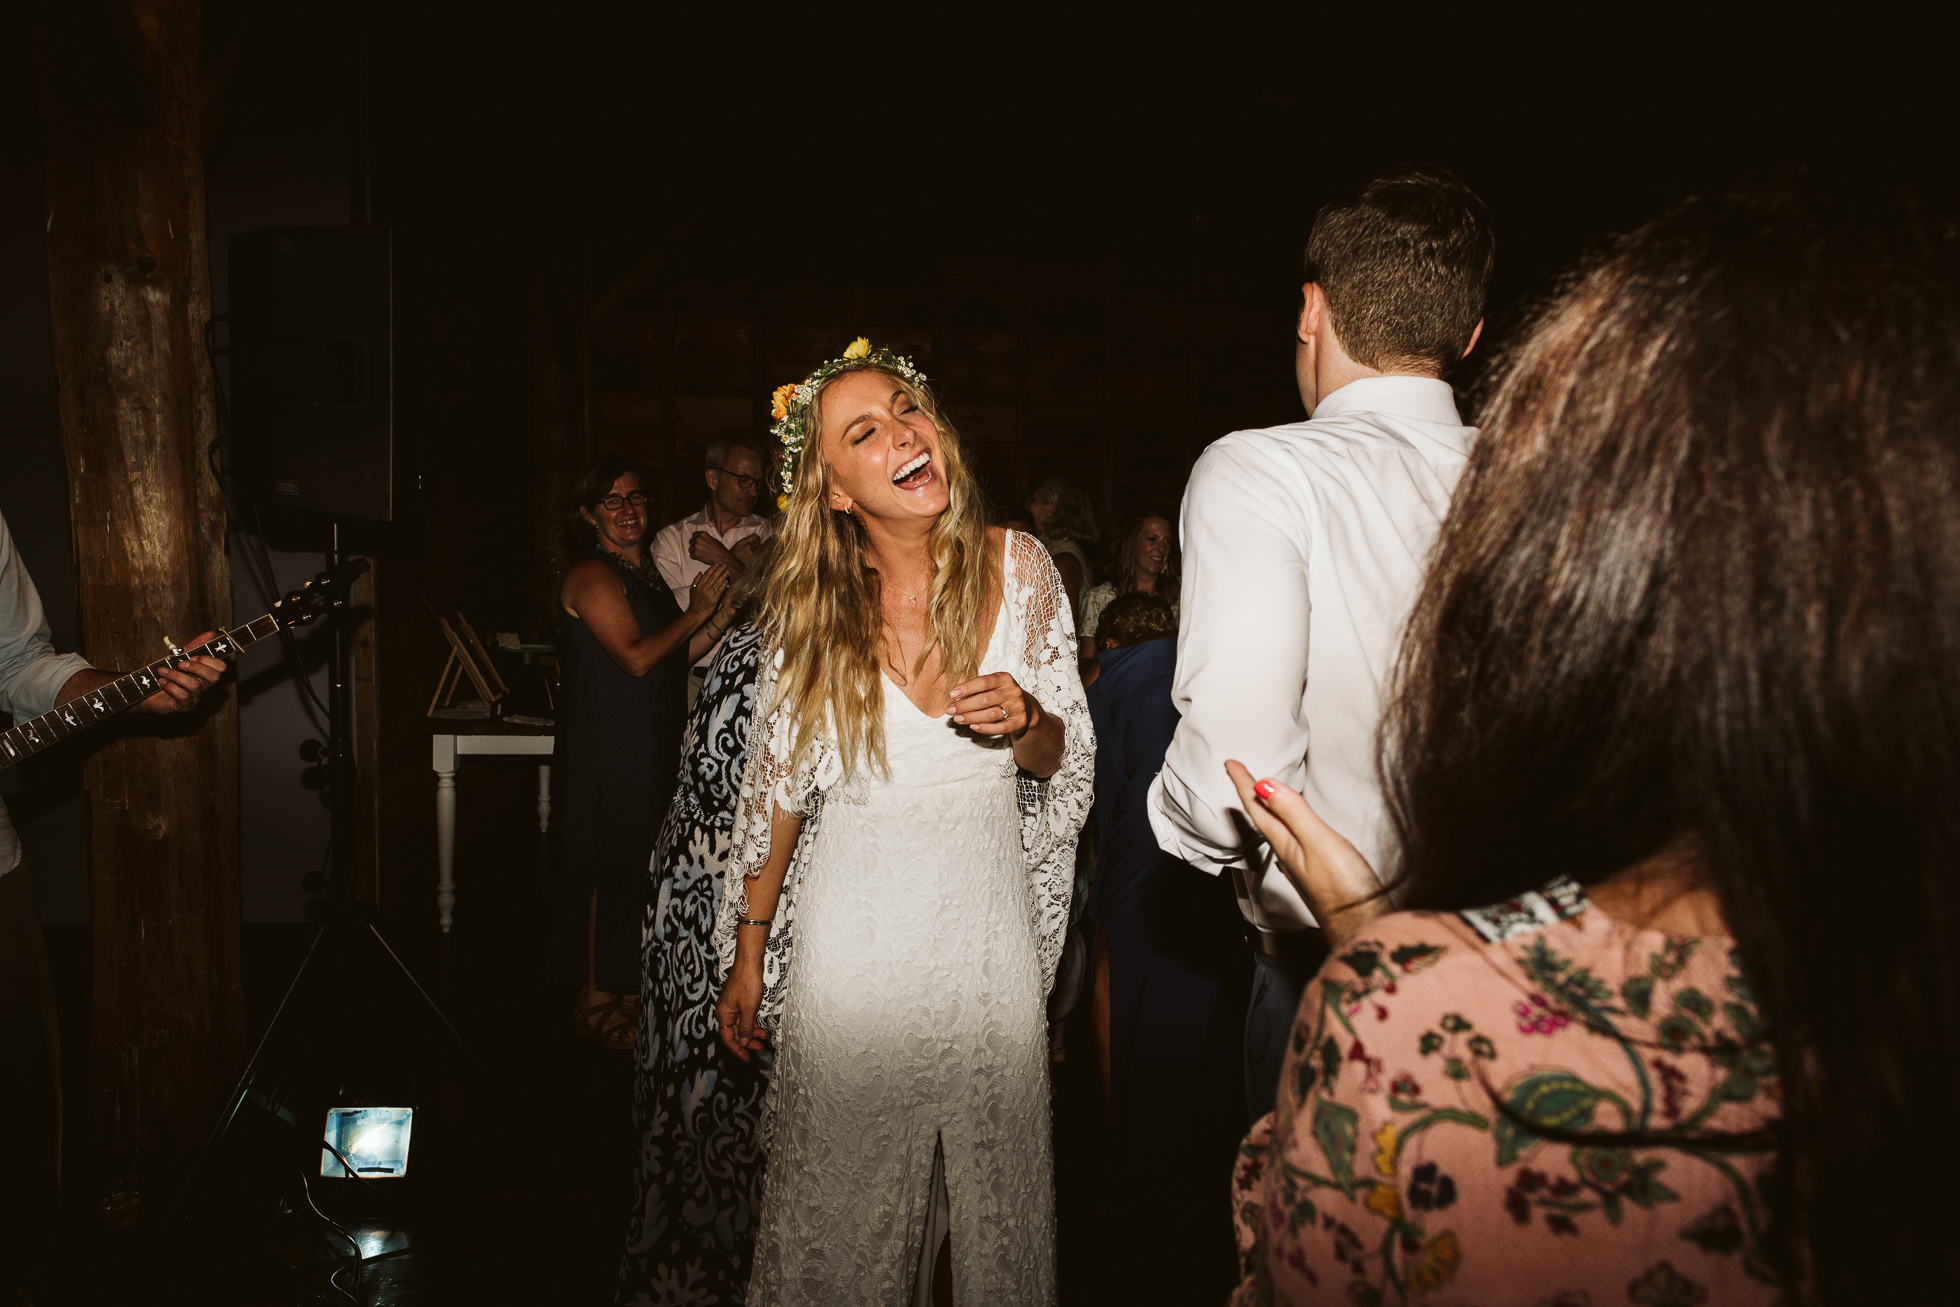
(768, 785)
(1052, 810)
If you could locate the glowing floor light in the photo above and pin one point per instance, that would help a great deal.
(374, 1140)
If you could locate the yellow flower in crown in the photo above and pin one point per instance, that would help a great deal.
(790, 405)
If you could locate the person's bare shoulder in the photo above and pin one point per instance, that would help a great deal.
(581, 579)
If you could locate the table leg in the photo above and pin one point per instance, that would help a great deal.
(544, 797)
(444, 754)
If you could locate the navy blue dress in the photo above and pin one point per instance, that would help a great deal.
(1179, 979)
(619, 743)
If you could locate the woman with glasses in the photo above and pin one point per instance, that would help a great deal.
(625, 648)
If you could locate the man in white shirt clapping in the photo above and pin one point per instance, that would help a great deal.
(1303, 548)
(724, 532)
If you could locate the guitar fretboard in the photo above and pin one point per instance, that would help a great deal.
(105, 701)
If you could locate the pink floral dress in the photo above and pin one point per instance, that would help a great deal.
(1405, 1161)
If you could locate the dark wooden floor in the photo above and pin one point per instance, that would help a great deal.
(520, 1177)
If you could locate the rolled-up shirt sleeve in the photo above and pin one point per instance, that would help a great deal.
(1241, 655)
(31, 672)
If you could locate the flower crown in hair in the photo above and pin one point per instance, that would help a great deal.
(790, 405)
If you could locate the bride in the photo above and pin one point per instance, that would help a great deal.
(919, 767)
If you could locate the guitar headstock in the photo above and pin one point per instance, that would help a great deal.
(324, 593)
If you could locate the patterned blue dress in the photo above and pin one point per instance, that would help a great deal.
(697, 1109)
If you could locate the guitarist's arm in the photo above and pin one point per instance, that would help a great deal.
(181, 688)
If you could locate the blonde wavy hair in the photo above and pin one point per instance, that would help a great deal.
(820, 604)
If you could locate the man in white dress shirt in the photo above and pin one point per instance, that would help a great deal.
(725, 531)
(1303, 548)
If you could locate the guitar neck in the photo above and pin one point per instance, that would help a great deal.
(105, 701)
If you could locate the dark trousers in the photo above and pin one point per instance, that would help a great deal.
(30, 1086)
(1280, 972)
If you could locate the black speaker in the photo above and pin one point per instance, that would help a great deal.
(312, 369)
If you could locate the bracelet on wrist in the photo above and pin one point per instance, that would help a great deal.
(754, 921)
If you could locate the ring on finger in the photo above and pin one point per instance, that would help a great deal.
(1003, 712)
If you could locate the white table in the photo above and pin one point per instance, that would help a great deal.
(445, 749)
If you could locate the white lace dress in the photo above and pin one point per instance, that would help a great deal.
(927, 913)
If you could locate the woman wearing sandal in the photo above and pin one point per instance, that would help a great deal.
(626, 647)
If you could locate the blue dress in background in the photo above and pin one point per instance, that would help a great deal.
(1179, 979)
(619, 737)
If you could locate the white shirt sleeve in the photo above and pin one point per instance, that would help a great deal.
(1241, 655)
(670, 559)
(31, 672)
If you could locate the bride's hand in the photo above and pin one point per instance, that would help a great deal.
(735, 1012)
(995, 704)
(1330, 873)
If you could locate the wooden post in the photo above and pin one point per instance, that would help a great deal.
(130, 293)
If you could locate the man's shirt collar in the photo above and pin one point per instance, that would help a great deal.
(1426, 399)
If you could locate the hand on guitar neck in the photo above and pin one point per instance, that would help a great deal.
(177, 681)
(180, 688)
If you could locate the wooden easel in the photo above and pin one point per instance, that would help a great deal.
(467, 657)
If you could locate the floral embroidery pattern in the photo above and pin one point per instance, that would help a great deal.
(1575, 1151)
(1454, 1027)
(1537, 1016)
(1663, 1286)
(1430, 1189)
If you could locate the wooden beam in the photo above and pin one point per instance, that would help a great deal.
(130, 292)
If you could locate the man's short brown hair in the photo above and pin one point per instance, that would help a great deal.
(1134, 618)
(1405, 265)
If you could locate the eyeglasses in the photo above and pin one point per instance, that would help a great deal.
(613, 503)
(746, 483)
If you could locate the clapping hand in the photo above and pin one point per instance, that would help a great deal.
(709, 589)
(1330, 873)
(704, 548)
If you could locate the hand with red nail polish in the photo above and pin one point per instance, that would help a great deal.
(1330, 873)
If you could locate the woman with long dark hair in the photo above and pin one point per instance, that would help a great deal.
(1681, 698)
(620, 720)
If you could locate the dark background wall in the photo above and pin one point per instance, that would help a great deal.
(44, 798)
(278, 157)
(622, 226)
